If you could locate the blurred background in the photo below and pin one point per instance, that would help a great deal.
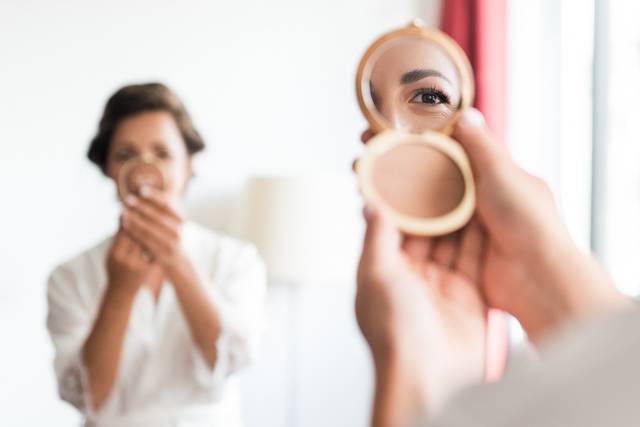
(270, 85)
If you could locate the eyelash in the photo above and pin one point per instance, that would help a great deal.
(443, 97)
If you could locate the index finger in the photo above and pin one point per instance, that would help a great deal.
(418, 248)
(366, 136)
(474, 137)
(469, 261)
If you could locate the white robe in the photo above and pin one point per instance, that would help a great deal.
(163, 379)
(587, 376)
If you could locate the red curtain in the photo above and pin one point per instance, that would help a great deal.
(480, 27)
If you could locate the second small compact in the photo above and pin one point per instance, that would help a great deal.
(139, 172)
(412, 85)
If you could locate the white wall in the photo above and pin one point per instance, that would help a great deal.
(270, 85)
(620, 204)
(549, 117)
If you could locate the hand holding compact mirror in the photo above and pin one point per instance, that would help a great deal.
(139, 172)
(412, 85)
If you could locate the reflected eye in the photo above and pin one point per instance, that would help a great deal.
(431, 96)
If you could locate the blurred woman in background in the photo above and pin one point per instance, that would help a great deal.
(149, 325)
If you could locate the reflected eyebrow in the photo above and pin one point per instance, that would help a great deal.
(419, 74)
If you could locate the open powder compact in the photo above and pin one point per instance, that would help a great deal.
(138, 172)
(412, 85)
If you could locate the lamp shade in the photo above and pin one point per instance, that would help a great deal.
(305, 227)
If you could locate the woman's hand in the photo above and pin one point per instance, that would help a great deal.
(531, 266)
(420, 309)
(154, 221)
(420, 301)
(127, 265)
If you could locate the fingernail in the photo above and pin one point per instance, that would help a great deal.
(472, 117)
(369, 211)
(145, 191)
(131, 200)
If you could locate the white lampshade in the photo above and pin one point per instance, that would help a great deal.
(305, 227)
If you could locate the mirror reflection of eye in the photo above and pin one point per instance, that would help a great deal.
(430, 96)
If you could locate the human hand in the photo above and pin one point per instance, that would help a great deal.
(420, 309)
(154, 221)
(531, 268)
(127, 265)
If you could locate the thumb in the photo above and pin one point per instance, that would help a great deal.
(381, 238)
(472, 133)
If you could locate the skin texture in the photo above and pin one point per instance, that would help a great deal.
(146, 251)
(420, 302)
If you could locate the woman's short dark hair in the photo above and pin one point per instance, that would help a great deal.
(133, 99)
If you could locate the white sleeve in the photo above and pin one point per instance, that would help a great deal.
(587, 376)
(239, 297)
(68, 323)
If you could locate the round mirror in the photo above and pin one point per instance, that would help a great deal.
(414, 79)
(137, 173)
(413, 85)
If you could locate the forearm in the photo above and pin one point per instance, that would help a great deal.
(573, 287)
(200, 312)
(588, 289)
(102, 350)
(402, 396)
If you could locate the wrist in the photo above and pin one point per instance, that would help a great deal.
(178, 268)
(402, 393)
(590, 291)
(570, 286)
(120, 292)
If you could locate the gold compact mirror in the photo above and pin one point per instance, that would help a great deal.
(138, 172)
(412, 85)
